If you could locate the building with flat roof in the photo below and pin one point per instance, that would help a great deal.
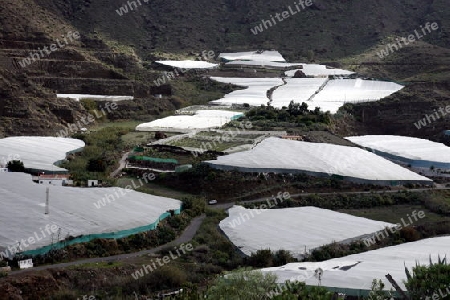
(53, 179)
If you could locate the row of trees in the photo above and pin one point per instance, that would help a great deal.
(295, 113)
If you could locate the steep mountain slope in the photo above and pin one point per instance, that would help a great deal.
(328, 28)
(29, 83)
(113, 53)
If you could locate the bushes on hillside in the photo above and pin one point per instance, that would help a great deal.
(427, 281)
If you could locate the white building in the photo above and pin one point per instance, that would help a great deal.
(56, 179)
(25, 264)
(95, 182)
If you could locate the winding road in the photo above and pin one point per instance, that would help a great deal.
(122, 164)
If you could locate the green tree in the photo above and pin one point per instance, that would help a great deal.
(294, 108)
(377, 292)
(282, 257)
(195, 206)
(261, 259)
(96, 165)
(15, 166)
(304, 108)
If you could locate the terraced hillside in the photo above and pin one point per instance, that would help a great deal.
(85, 65)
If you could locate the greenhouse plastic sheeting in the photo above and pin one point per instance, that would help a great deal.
(78, 97)
(357, 271)
(409, 150)
(38, 153)
(187, 64)
(318, 71)
(90, 237)
(73, 211)
(317, 159)
(340, 91)
(255, 93)
(298, 90)
(155, 159)
(278, 229)
(200, 120)
(253, 55)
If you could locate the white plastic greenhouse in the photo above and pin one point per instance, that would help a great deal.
(357, 271)
(187, 64)
(408, 150)
(254, 55)
(76, 211)
(318, 159)
(39, 153)
(200, 120)
(255, 94)
(78, 97)
(296, 230)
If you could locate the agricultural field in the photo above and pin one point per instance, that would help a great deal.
(267, 56)
(407, 150)
(187, 64)
(255, 94)
(296, 89)
(357, 271)
(355, 164)
(261, 64)
(39, 153)
(328, 95)
(315, 70)
(74, 211)
(197, 142)
(217, 140)
(340, 91)
(202, 119)
(312, 148)
(78, 97)
(297, 230)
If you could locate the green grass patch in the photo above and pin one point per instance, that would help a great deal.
(394, 214)
(138, 138)
(126, 124)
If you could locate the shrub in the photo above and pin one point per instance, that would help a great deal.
(428, 280)
(282, 257)
(261, 259)
(243, 284)
(409, 234)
